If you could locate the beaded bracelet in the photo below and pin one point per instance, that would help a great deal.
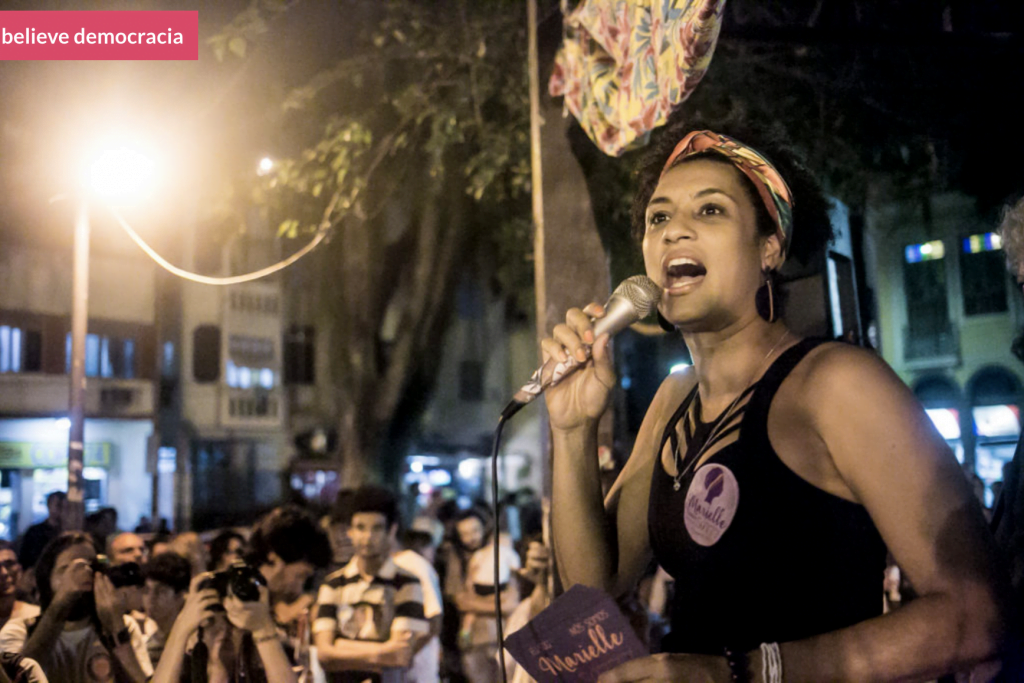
(739, 665)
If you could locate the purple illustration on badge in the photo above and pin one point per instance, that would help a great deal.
(713, 484)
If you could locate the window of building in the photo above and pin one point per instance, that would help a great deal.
(167, 361)
(929, 332)
(940, 396)
(300, 355)
(250, 361)
(469, 300)
(994, 393)
(206, 353)
(926, 251)
(104, 356)
(981, 275)
(251, 302)
(471, 380)
(21, 350)
(243, 377)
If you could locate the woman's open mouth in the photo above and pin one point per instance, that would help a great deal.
(683, 274)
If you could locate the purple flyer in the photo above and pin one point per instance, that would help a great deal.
(578, 637)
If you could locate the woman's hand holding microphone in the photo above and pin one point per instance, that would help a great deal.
(582, 396)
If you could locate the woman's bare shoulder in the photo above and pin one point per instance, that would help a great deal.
(840, 389)
(839, 368)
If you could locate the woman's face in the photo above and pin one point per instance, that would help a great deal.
(701, 246)
(66, 561)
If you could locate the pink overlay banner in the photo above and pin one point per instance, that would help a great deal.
(84, 35)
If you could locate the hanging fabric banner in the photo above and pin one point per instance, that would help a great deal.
(624, 64)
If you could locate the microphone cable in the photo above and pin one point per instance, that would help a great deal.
(497, 545)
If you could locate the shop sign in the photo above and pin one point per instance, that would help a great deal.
(27, 455)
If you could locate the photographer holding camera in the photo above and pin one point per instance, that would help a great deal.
(125, 554)
(239, 635)
(82, 635)
(287, 546)
(240, 642)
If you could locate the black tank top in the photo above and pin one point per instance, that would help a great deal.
(757, 553)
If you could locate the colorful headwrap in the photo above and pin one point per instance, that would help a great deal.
(770, 186)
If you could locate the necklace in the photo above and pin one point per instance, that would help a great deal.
(716, 428)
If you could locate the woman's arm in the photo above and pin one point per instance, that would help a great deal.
(857, 414)
(606, 544)
(50, 626)
(272, 655)
(896, 465)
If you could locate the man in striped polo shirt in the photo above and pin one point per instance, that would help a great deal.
(369, 612)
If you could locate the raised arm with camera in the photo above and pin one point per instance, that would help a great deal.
(116, 635)
(256, 618)
(197, 608)
(82, 627)
(252, 616)
(73, 587)
(77, 580)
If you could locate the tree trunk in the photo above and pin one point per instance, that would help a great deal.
(391, 313)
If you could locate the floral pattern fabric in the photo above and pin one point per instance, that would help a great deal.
(624, 64)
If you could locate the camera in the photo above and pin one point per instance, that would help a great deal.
(244, 582)
(120, 575)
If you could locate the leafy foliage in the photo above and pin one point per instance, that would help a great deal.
(416, 88)
(415, 153)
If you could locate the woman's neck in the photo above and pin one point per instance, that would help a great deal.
(728, 361)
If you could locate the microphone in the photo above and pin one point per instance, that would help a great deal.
(632, 300)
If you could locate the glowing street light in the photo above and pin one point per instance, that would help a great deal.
(120, 173)
(114, 173)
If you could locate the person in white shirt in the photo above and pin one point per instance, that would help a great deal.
(417, 558)
(469, 582)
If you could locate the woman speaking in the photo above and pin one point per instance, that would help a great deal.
(770, 477)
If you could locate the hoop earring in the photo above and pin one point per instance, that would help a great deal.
(664, 324)
(765, 299)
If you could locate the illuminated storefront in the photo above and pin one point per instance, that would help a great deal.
(995, 399)
(33, 463)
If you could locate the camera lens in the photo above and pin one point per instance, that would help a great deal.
(245, 582)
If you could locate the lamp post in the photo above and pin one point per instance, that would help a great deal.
(113, 173)
(75, 514)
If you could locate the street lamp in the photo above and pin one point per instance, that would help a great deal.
(265, 166)
(114, 173)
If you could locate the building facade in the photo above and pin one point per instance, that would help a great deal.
(120, 365)
(947, 318)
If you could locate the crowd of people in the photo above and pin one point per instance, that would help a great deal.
(357, 595)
